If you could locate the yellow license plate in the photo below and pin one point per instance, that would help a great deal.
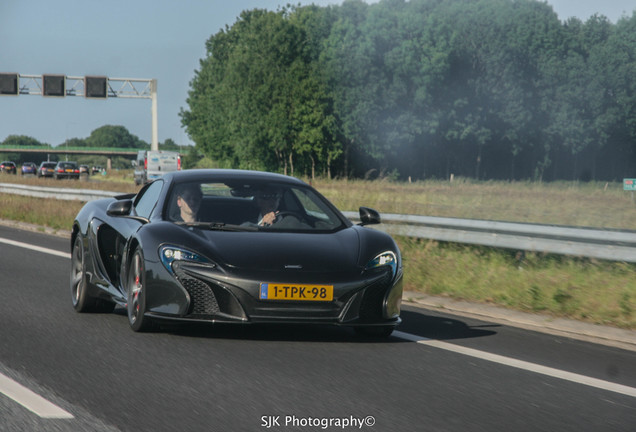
(69, 170)
(279, 291)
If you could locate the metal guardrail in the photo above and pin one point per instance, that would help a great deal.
(56, 193)
(611, 245)
(603, 244)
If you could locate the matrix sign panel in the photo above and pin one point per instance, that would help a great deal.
(96, 87)
(8, 84)
(54, 85)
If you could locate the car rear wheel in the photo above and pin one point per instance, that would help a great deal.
(137, 294)
(82, 300)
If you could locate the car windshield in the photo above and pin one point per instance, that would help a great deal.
(251, 206)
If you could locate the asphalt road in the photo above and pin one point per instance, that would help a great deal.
(63, 371)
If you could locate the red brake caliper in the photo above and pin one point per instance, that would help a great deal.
(137, 293)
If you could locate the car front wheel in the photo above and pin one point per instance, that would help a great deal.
(137, 294)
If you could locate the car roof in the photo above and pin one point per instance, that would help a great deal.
(228, 174)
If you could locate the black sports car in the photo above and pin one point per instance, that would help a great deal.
(234, 247)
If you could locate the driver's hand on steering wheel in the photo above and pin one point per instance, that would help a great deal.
(269, 218)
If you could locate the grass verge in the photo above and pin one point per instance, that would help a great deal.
(600, 292)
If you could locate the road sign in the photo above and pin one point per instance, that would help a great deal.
(8, 84)
(91, 87)
(629, 184)
(96, 87)
(54, 85)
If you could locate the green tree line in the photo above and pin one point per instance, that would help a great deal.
(487, 89)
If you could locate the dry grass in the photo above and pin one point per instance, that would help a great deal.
(53, 213)
(594, 291)
(601, 205)
(39, 211)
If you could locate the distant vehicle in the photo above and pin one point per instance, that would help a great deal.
(152, 164)
(29, 168)
(66, 170)
(96, 169)
(8, 167)
(84, 170)
(46, 169)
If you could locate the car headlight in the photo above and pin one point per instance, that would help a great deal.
(387, 258)
(170, 254)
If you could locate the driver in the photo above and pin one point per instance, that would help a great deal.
(267, 201)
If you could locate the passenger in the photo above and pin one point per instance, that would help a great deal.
(188, 201)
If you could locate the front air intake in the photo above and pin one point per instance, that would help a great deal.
(202, 299)
(372, 305)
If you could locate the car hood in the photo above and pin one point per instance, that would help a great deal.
(273, 251)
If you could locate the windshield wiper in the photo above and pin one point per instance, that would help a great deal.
(217, 226)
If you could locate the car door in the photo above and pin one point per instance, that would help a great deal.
(113, 234)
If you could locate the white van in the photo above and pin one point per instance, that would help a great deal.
(152, 164)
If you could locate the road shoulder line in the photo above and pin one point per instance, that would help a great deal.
(520, 364)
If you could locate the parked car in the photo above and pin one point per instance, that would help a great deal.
(29, 168)
(306, 264)
(84, 170)
(46, 169)
(67, 170)
(150, 165)
(8, 167)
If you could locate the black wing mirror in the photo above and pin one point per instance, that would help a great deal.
(368, 216)
(123, 208)
(120, 208)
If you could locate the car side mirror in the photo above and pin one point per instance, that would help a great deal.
(119, 208)
(368, 216)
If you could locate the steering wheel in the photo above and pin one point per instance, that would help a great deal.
(285, 213)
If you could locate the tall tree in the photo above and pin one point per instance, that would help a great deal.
(114, 136)
(259, 84)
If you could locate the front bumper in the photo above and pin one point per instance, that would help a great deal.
(370, 300)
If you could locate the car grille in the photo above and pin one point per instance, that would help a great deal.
(203, 301)
(371, 308)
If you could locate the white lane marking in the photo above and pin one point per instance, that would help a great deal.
(30, 400)
(35, 248)
(520, 364)
(13, 390)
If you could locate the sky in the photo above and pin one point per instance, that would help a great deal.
(135, 39)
